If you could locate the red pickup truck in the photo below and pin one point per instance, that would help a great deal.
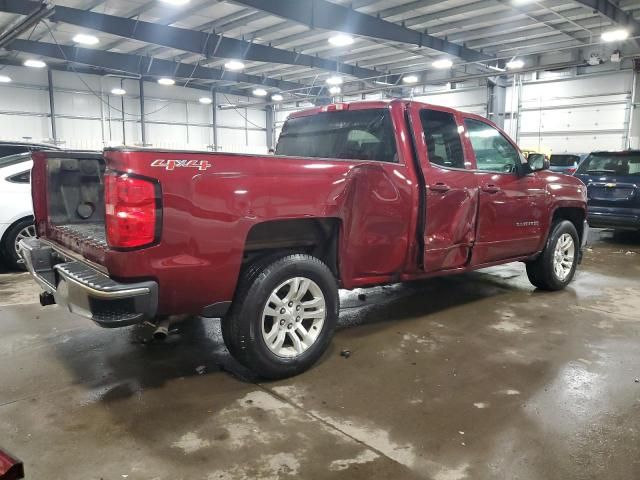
(356, 195)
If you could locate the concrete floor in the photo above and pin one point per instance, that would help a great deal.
(469, 377)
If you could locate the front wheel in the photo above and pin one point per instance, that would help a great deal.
(283, 316)
(556, 266)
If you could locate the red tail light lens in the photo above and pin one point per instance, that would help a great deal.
(130, 211)
(571, 170)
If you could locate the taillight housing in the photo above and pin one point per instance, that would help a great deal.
(132, 211)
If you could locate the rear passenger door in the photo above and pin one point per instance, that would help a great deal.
(451, 189)
(511, 205)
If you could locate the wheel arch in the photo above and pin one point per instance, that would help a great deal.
(315, 236)
(12, 223)
(575, 214)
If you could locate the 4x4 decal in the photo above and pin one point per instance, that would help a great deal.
(171, 165)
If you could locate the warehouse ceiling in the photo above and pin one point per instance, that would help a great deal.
(285, 46)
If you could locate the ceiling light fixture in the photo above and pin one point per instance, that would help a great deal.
(442, 63)
(176, 3)
(260, 92)
(118, 91)
(615, 35)
(5, 79)
(166, 81)
(341, 40)
(277, 97)
(410, 79)
(515, 64)
(335, 90)
(234, 65)
(84, 39)
(34, 63)
(335, 80)
(205, 100)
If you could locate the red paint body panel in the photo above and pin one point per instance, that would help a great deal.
(208, 213)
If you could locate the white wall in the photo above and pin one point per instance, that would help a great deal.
(575, 114)
(89, 117)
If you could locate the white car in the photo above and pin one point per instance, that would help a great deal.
(16, 209)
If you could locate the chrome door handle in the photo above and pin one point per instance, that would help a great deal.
(440, 187)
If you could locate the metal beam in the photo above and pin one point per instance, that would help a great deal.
(203, 43)
(614, 13)
(143, 129)
(143, 66)
(330, 16)
(52, 106)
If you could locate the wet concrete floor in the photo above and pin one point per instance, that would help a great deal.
(469, 377)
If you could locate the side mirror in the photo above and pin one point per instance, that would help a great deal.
(538, 162)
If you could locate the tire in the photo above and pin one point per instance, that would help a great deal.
(266, 343)
(542, 272)
(15, 233)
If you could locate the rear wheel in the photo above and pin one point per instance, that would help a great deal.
(283, 316)
(20, 230)
(556, 266)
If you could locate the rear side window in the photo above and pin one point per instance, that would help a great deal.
(6, 150)
(494, 153)
(611, 163)
(564, 160)
(357, 134)
(442, 137)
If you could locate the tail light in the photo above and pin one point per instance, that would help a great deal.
(571, 170)
(132, 213)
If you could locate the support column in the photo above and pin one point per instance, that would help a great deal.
(632, 139)
(52, 107)
(214, 119)
(497, 101)
(143, 130)
(270, 123)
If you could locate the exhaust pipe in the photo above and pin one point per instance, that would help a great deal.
(162, 329)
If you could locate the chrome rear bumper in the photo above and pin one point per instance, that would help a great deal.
(85, 291)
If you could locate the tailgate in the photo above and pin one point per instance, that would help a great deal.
(68, 198)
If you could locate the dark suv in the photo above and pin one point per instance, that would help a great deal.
(613, 186)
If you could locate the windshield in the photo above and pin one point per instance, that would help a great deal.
(612, 163)
(357, 134)
(564, 160)
(14, 159)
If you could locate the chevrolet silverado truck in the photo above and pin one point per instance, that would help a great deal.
(356, 195)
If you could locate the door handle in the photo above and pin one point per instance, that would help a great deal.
(440, 187)
(491, 188)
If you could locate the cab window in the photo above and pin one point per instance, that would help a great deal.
(442, 138)
(494, 153)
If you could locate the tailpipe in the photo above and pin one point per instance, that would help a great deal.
(162, 329)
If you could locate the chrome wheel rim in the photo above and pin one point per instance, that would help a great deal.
(293, 317)
(563, 256)
(26, 232)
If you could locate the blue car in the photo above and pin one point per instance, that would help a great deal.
(565, 162)
(613, 187)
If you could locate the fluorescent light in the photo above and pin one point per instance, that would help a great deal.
(277, 97)
(410, 79)
(260, 92)
(34, 63)
(234, 65)
(205, 100)
(166, 81)
(335, 80)
(442, 63)
(176, 3)
(335, 90)
(615, 35)
(118, 91)
(515, 64)
(5, 79)
(85, 39)
(341, 40)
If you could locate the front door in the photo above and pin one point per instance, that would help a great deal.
(511, 215)
(451, 190)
